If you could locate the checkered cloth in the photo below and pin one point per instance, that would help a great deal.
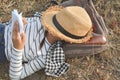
(55, 61)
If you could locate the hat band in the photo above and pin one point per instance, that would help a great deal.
(62, 30)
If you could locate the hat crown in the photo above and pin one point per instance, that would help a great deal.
(74, 20)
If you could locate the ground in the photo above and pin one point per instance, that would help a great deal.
(102, 66)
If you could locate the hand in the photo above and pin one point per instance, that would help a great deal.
(18, 40)
(51, 39)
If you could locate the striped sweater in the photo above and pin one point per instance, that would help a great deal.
(33, 57)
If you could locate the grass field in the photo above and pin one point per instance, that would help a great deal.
(103, 66)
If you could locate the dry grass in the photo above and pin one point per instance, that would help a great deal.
(103, 66)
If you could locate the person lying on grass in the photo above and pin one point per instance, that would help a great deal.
(40, 44)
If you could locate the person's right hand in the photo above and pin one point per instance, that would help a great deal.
(18, 40)
(51, 39)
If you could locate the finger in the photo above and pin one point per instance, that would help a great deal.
(16, 27)
(24, 21)
(23, 37)
(15, 31)
(16, 35)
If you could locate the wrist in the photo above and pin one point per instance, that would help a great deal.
(47, 41)
(18, 50)
(51, 39)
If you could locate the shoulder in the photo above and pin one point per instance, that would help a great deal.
(33, 19)
(34, 22)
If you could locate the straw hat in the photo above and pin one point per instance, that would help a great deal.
(71, 24)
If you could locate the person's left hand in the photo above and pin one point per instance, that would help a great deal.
(18, 40)
(51, 39)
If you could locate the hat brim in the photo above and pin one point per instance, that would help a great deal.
(47, 22)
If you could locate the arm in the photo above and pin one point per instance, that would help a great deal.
(19, 70)
(51, 39)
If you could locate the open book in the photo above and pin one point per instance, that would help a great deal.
(17, 17)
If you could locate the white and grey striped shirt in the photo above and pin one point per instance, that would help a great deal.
(31, 53)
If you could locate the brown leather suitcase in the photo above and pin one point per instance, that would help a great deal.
(98, 42)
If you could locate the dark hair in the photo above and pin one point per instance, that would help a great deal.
(41, 44)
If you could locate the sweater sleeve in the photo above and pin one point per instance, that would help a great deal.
(15, 67)
(19, 70)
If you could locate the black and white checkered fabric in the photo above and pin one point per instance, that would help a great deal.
(55, 61)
